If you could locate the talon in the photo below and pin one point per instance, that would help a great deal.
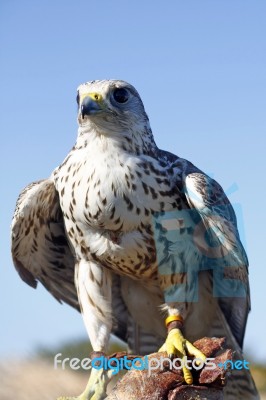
(171, 356)
(177, 345)
(193, 351)
(187, 376)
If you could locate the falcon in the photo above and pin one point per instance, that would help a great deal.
(139, 240)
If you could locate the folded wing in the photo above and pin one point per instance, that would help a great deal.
(40, 248)
(225, 249)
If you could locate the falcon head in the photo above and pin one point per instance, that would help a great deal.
(113, 108)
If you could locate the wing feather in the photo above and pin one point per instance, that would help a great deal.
(40, 248)
(207, 197)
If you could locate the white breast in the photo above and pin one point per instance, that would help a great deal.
(104, 192)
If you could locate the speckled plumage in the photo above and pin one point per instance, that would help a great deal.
(96, 212)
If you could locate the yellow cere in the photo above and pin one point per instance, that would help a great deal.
(94, 96)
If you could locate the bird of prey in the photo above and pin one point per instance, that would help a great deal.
(130, 235)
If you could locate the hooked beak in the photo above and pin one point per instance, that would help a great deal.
(91, 103)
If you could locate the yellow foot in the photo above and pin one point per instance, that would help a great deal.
(177, 346)
(96, 386)
(81, 397)
(92, 396)
(69, 398)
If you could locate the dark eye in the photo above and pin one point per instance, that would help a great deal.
(77, 98)
(121, 95)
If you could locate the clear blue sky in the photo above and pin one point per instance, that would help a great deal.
(199, 66)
